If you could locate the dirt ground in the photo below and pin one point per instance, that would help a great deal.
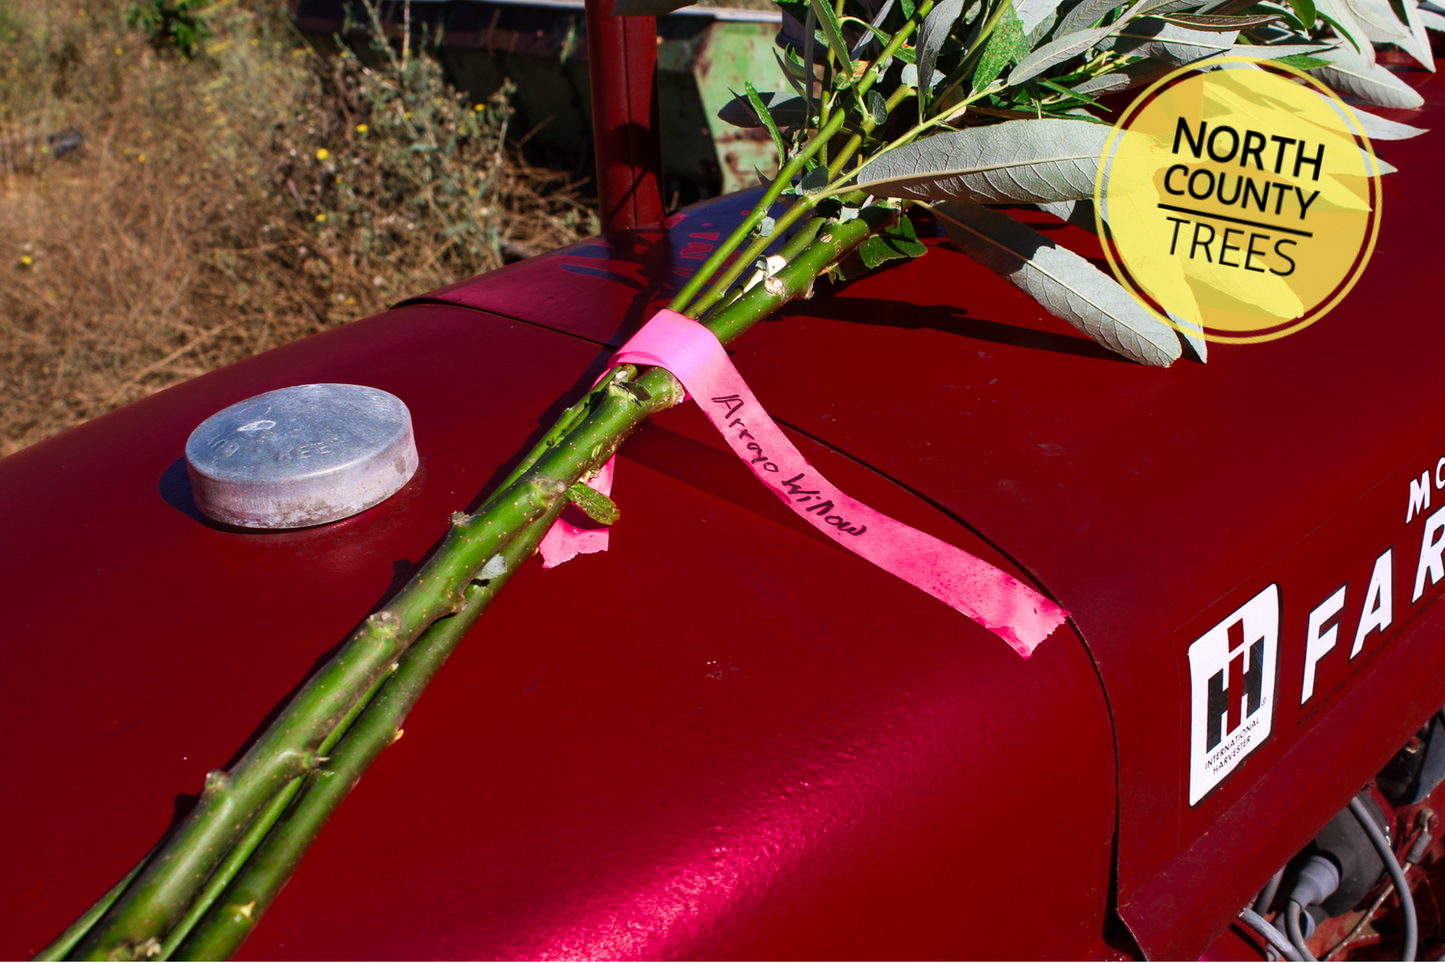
(164, 214)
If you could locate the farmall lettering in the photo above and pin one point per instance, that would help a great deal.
(1232, 666)
(1232, 670)
(1376, 608)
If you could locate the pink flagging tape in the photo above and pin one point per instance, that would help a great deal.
(991, 597)
(573, 533)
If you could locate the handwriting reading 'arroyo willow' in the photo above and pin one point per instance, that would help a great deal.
(995, 599)
(795, 488)
(1247, 246)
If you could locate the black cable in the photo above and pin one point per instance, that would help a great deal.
(1392, 865)
(1292, 912)
(1273, 936)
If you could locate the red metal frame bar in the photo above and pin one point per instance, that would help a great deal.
(622, 64)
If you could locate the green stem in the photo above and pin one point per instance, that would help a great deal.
(229, 922)
(683, 298)
(65, 942)
(791, 169)
(257, 832)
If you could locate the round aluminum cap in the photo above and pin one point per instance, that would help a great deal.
(301, 456)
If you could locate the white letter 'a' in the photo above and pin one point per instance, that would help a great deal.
(1432, 546)
(1379, 601)
(1318, 643)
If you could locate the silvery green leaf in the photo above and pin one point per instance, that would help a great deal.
(1065, 284)
(877, 107)
(1084, 13)
(1344, 18)
(647, 8)
(786, 113)
(1130, 75)
(1385, 166)
(1208, 21)
(1418, 43)
(814, 181)
(765, 227)
(931, 34)
(1432, 19)
(833, 33)
(1377, 20)
(1378, 128)
(908, 76)
(1034, 12)
(1006, 46)
(1079, 213)
(858, 47)
(1193, 343)
(1172, 44)
(1278, 51)
(1159, 8)
(1370, 82)
(1021, 161)
(1056, 52)
(1103, 84)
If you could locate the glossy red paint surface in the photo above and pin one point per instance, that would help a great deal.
(726, 737)
(1151, 503)
(769, 748)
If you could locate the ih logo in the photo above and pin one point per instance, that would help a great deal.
(1232, 676)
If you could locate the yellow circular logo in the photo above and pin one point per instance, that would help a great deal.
(1238, 199)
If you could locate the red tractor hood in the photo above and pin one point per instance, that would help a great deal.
(726, 737)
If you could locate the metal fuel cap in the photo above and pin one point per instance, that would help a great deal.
(301, 456)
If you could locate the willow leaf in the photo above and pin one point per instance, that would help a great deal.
(1131, 75)
(1193, 342)
(1343, 20)
(1019, 161)
(1065, 284)
(740, 111)
(761, 109)
(1056, 52)
(1079, 213)
(931, 34)
(1304, 11)
(1350, 74)
(833, 33)
(1283, 52)
(1084, 14)
(862, 43)
(1417, 42)
(1430, 17)
(1167, 42)
(594, 505)
(1205, 21)
(1377, 20)
(1007, 45)
(1034, 13)
(1378, 128)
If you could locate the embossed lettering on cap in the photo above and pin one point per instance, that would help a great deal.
(301, 456)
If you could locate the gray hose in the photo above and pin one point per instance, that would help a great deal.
(1266, 895)
(1392, 865)
(1273, 936)
(1292, 912)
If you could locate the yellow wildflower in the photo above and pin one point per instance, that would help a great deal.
(320, 218)
(322, 154)
(362, 128)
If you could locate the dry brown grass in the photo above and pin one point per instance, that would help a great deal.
(226, 205)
